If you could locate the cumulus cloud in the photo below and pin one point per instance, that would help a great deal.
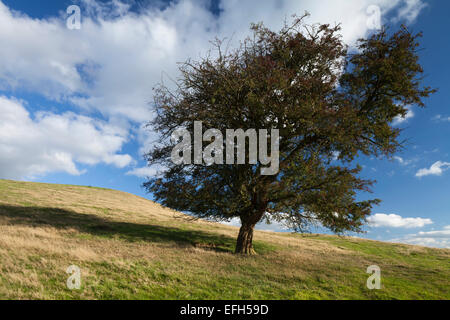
(436, 169)
(114, 60)
(142, 172)
(110, 65)
(48, 142)
(436, 238)
(145, 172)
(395, 221)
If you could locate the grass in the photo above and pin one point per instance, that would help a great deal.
(130, 248)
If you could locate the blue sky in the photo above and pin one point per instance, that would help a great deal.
(73, 102)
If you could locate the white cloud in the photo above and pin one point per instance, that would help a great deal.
(48, 142)
(114, 60)
(437, 238)
(144, 172)
(402, 161)
(396, 221)
(410, 10)
(440, 118)
(445, 233)
(409, 115)
(436, 169)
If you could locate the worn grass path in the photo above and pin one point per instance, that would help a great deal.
(130, 248)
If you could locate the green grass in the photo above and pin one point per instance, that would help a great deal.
(130, 248)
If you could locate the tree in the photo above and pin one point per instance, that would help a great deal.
(329, 105)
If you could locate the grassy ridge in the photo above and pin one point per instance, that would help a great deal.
(131, 248)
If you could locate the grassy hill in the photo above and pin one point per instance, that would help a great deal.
(130, 248)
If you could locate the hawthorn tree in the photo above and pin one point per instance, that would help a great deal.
(330, 106)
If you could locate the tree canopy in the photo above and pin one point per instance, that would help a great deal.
(330, 105)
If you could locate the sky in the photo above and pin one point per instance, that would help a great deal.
(74, 101)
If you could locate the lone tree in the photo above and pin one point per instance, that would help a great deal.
(330, 106)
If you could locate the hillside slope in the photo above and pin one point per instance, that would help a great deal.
(130, 248)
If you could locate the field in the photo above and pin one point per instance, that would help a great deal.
(130, 248)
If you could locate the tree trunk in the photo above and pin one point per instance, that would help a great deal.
(244, 244)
